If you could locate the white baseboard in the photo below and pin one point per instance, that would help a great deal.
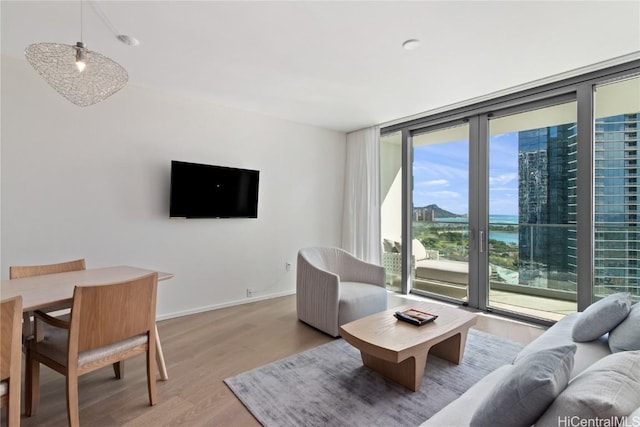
(224, 305)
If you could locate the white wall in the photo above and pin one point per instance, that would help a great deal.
(93, 182)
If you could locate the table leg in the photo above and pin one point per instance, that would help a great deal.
(408, 373)
(451, 349)
(162, 367)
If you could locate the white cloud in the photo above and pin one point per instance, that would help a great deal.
(433, 182)
(503, 179)
(448, 194)
(437, 169)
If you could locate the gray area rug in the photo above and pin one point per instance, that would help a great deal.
(329, 386)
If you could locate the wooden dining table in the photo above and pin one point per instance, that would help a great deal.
(52, 290)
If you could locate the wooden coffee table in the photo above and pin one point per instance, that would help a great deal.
(398, 350)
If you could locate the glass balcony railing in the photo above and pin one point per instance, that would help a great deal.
(531, 266)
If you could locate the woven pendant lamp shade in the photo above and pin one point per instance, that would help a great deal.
(56, 63)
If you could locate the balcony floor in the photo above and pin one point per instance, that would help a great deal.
(529, 305)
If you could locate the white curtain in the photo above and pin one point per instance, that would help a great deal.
(361, 218)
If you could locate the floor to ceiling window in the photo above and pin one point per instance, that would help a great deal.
(616, 145)
(440, 211)
(526, 204)
(532, 217)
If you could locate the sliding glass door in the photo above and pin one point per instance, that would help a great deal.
(525, 205)
(440, 211)
(532, 210)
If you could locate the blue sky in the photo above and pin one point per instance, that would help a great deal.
(441, 175)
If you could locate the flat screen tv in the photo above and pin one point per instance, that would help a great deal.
(208, 191)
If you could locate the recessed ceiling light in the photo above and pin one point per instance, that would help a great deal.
(411, 44)
(128, 40)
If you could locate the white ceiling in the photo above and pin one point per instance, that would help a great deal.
(335, 64)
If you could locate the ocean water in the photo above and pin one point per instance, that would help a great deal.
(506, 237)
(503, 219)
(493, 219)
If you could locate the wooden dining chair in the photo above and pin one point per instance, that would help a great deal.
(108, 323)
(21, 271)
(10, 358)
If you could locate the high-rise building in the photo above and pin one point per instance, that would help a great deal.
(547, 203)
(424, 214)
(616, 205)
(547, 172)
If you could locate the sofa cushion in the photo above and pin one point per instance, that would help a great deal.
(626, 336)
(560, 333)
(602, 316)
(523, 395)
(358, 300)
(443, 271)
(388, 245)
(609, 389)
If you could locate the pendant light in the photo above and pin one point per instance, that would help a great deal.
(82, 76)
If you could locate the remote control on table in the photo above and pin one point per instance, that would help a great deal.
(401, 316)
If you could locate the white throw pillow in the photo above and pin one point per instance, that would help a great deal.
(388, 245)
(607, 390)
(418, 250)
(526, 392)
(626, 336)
(601, 317)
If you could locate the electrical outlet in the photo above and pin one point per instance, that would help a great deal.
(287, 266)
(250, 292)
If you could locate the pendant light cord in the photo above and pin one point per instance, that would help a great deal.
(81, 24)
(98, 10)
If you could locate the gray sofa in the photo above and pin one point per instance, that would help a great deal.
(592, 369)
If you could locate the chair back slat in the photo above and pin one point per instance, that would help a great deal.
(10, 336)
(20, 271)
(105, 314)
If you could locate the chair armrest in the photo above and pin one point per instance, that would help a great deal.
(317, 294)
(53, 321)
(40, 316)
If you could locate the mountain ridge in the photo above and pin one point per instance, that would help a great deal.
(439, 212)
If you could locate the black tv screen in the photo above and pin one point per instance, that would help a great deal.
(208, 191)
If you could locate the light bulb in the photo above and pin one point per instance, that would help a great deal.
(81, 56)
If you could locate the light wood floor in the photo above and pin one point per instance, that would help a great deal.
(201, 350)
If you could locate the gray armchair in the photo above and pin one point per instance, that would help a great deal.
(333, 288)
